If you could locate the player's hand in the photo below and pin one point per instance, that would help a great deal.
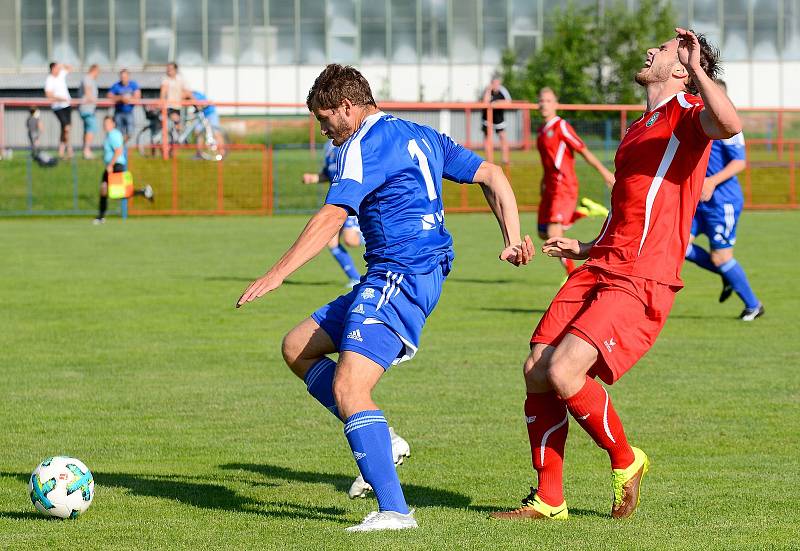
(310, 178)
(688, 49)
(259, 288)
(564, 247)
(610, 180)
(707, 191)
(109, 168)
(519, 254)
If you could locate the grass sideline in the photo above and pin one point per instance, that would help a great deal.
(120, 345)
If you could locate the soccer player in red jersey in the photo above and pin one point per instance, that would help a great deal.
(557, 142)
(610, 310)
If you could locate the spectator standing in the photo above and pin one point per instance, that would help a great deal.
(173, 90)
(55, 88)
(125, 92)
(87, 109)
(496, 92)
(35, 129)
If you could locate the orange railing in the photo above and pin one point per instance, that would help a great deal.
(769, 180)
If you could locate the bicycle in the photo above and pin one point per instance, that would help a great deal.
(195, 127)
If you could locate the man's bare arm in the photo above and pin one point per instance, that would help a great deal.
(731, 169)
(317, 233)
(593, 161)
(501, 200)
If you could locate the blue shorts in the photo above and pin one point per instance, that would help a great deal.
(718, 223)
(213, 120)
(382, 317)
(89, 122)
(124, 122)
(351, 223)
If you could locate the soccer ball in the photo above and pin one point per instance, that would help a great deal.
(61, 487)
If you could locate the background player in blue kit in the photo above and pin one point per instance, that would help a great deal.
(351, 232)
(389, 172)
(721, 203)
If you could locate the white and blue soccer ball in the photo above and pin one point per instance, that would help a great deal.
(61, 487)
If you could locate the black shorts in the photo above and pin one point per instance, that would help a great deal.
(116, 168)
(64, 116)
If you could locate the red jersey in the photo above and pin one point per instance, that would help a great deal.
(660, 167)
(556, 142)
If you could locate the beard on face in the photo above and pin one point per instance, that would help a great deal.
(340, 129)
(649, 75)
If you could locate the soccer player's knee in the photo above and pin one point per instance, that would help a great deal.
(558, 374)
(351, 238)
(291, 348)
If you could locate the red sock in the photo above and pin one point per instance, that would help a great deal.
(592, 408)
(546, 416)
(576, 216)
(568, 264)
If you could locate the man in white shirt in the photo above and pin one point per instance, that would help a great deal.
(55, 88)
(173, 88)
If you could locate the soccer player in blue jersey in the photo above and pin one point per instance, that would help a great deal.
(351, 232)
(389, 173)
(717, 215)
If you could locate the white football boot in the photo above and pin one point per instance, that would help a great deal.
(385, 520)
(400, 450)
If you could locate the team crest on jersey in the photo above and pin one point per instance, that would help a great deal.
(549, 133)
(652, 120)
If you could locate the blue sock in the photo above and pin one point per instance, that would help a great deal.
(319, 380)
(368, 435)
(734, 274)
(344, 260)
(700, 256)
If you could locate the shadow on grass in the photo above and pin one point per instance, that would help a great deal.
(204, 495)
(287, 282)
(416, 495)
(511, 310)
(20, 515)
(478, 280)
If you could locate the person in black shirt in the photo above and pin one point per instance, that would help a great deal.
(496, 92)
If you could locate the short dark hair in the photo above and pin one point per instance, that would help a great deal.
(709, 61)
(93, 66)
(52, 64)
(175, 65)
(123, 70)
(334, 84)
(110, 118)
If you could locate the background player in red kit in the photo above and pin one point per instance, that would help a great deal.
(557, 142)
(610, 310)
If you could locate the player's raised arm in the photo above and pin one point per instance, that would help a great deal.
(317, 233)
(500, 197)
(719, 117)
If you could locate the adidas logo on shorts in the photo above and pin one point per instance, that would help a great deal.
(359, 455)
(355, 334)
(358, 309)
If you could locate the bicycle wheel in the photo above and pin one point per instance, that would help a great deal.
(214, 144)
(148, 142)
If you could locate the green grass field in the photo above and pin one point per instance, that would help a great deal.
(120, 345)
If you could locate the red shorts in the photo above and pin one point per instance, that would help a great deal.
(558, 208)
(620, 316)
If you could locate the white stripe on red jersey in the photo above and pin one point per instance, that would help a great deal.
(660, 168)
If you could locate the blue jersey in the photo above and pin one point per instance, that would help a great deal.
(208, 109)
(329, 160)
(389, 173)
(722, 153)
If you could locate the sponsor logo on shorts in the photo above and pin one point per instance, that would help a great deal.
(368, 293)
(359, 455)
(530, 419)
(355, 335)
(358, 309)
(610, 343)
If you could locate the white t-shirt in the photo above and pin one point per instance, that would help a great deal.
(175, 88)
(57, 85)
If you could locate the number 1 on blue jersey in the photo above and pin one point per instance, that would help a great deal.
(416, 153)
